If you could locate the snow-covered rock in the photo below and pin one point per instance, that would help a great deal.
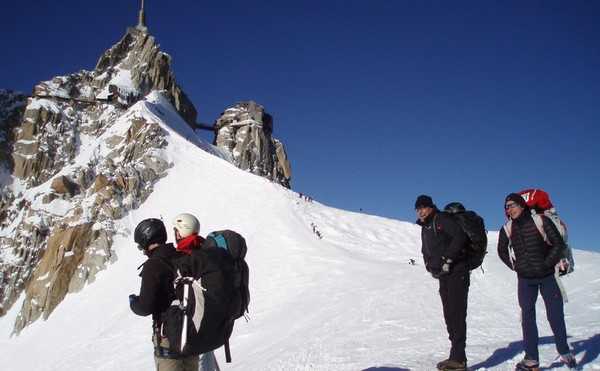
(135, 66)
(103, 178)
(84, 150)
(12, 106)
(245, 132)
(77, 155)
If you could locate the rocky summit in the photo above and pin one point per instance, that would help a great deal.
(63, 189)
(78, 154)
(245, 132)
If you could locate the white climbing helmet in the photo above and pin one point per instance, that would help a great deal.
(186, 224)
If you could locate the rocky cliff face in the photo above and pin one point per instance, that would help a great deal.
(245, 132)
(12, 106)
(57, 235)
(82, 151)
(149, 69)
(81, 158)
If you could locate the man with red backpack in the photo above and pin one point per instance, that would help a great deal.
(525, 250)
(539, 202)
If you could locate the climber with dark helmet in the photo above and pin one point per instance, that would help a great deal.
(157, 291)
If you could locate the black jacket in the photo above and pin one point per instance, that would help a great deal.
(156, 292)
(447, 241)
(533, 257)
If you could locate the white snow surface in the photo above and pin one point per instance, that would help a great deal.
(349, 301)
(43, 103)
(122, 80)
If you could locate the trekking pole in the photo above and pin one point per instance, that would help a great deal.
(217, 368)
(186, 289)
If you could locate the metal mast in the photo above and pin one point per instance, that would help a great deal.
(142, 19)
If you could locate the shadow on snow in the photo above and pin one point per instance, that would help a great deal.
(509, 352)
(590, 347)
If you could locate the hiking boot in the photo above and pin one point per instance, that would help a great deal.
(528, 365)
(441, 364)
(569, 360)
(451, 365)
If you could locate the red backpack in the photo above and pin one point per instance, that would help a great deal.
(537, 199)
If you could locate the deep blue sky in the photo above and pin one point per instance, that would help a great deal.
(377, 101)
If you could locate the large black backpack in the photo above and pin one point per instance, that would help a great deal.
(474, 226)
(235, 244)
(211, 289)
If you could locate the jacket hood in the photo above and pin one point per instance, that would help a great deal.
(163, 251)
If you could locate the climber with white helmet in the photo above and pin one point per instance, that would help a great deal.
(187, 229)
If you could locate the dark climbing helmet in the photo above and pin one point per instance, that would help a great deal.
(454, 208)
(150, 231)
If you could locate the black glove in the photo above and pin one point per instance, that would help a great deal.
(435, 275)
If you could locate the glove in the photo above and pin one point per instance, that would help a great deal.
(435, 275)
(445, 266)
(132, 299)
(563, 267)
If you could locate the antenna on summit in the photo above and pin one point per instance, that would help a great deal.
(142, 19)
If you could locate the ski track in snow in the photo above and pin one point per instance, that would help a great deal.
(348, 301)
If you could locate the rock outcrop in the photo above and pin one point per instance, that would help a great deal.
(84, 150)
(56, 239)
(137, 61)
(81, 159)
(12, 106)
(124, 74)
(245, 132)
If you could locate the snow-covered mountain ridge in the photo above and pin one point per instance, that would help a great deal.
(348, 301)
(80, 153)
(59, 195)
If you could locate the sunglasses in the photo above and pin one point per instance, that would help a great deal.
(510, 206)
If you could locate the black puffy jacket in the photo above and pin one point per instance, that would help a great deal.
(447, 241)
(533, 257)
(156, 292)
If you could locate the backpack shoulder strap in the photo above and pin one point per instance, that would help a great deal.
(558, 222)
(227, 351)
(511, 252)
(508, 228)
(173, 268)
(539, 224)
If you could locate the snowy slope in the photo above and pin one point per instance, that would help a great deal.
(349, 301)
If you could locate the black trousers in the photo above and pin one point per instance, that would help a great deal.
(454, 291)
